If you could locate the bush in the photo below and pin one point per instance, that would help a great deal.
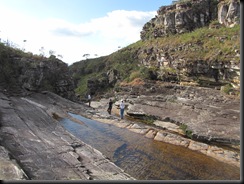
(187, 132)
(134, 75)
(227, 88)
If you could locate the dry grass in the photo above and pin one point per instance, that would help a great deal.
(135, 82)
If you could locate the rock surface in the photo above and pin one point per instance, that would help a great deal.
(187, 16)
(211, 115)
(171, 133)
(34, 146)
(24, 72)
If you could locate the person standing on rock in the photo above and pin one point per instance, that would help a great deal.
(89, 100)
(122, 108)
(110, 104)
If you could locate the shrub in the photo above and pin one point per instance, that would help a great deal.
(227, 88)
(187, 132)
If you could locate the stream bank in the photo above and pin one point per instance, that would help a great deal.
(35, 146)
(164, 131)
(148, 159)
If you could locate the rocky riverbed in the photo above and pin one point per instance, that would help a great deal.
(34, 146)
(172, 133)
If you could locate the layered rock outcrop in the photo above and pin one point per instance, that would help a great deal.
(175, 62)
(190, 15)
(180, 69)
(229, 12)
(210, 115)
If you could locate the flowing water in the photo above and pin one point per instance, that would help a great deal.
(147, 159)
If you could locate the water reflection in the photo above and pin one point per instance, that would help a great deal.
(146, 159)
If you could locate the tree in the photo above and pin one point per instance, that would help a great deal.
(51, 52)
(42, 51)
(24, 44)
(86, 55)
(60, 56)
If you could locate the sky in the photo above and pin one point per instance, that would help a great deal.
(72, 28)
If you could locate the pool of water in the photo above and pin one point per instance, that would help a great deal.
(147, 159)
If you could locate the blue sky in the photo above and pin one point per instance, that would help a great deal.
(72, 28)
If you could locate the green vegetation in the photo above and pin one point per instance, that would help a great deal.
(180, 1)
(227, 88)
(82, 86)
(7, 69)
(206, 43)
(146, 119)
(187, 132)
(216, 44)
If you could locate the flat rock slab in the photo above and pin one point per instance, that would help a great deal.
(208, 113)
(44, 150)
(169, 126)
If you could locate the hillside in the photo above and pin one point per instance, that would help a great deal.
(206, 56)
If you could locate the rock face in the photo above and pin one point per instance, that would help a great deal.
(210, 116)
(20, 73)
(50, 74)
(172, 62)
(105, 80)
(229, 13)
(187, 16)
(34, 146)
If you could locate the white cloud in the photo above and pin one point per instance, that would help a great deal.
(100, 36)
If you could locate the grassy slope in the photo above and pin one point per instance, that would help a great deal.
(204, 44)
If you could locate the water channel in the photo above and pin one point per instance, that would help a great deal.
(147, 159)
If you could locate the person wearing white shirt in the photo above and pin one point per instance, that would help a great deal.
(122, 108)
(89, 100)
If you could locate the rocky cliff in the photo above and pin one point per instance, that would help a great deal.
(21, 73)
(195, 42)
(191, 61)
(187, 16)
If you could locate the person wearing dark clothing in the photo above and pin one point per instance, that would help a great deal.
(110, 104)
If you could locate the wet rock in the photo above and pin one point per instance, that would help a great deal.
(197, 146)
(151, 134)
(171, 138)
(169, 131)
(42, 147)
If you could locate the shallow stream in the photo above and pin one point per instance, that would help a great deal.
(147, 159)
